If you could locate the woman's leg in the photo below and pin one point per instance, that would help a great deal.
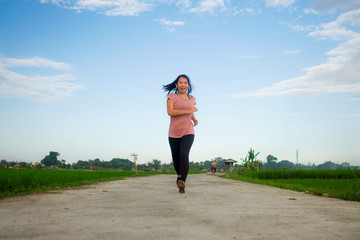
(175, 153)
(184, 150)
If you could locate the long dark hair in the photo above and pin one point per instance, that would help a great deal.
(172, 86)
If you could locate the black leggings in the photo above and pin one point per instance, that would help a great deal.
(180, 148)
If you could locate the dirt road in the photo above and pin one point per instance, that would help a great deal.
(151, 208)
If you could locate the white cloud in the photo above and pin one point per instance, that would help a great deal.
(37, 87)
(337, 30)
(331, 6)
(171, 29)
(135, 7)
(208, 6)
(279, 3)
(243, 11)
(184, 3)
(295, 51)
(170, 23)
(107, 7)
(32, 62)
(310, 11)
(340, 73)
(298, 28)
(351, 17)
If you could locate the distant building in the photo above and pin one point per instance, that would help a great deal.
(229, 165)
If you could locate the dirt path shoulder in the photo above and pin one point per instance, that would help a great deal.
(151, 208)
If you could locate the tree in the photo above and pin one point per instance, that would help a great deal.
(271, 158)
(166, 167)
(123, 164)
(195, 166)
(51, 159)
(327, 165)
(156, 164)
(81, 165)
(286, 164)
(3, 163)
(344, 165)
(207, 164)
(109, 165)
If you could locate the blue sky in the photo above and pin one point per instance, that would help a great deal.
(84, 78)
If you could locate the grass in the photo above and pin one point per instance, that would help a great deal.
(15, 182)
(342, 184)
(26, 181)
(302, 174)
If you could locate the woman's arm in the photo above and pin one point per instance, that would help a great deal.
(172, 112)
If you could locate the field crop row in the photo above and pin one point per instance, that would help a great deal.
(302, 174)
(342, 184)
(25, 181)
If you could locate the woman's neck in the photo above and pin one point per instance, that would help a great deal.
(183, 96)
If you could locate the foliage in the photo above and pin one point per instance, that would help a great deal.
(271, 159)
(51, 159)
(250, 161)
(327, 165)
(39, 166)
(285, 164)
(300, 174)
(115, 163)
(5, 164)
(122, 164)
(195, 166)
(156, 164)
(343, 184)
(25, 181)
(347, 189)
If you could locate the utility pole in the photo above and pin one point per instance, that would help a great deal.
(297, 157)
(134, 155)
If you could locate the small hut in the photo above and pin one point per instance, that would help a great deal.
(229, 165)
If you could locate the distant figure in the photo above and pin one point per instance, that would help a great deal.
(213, 167)
(180, 107)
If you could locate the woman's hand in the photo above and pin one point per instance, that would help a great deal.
(193, 118)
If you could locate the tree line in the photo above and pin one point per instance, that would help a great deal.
(272, 164)
(51, 161)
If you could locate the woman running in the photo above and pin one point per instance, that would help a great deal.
(180, 106)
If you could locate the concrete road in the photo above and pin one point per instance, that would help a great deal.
(151, 208)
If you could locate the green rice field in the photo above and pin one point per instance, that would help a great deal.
(15, 182)
(25, 181)
(342, 184)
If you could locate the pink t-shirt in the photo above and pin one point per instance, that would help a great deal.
(181, 125)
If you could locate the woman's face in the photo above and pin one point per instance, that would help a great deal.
(182, 85)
